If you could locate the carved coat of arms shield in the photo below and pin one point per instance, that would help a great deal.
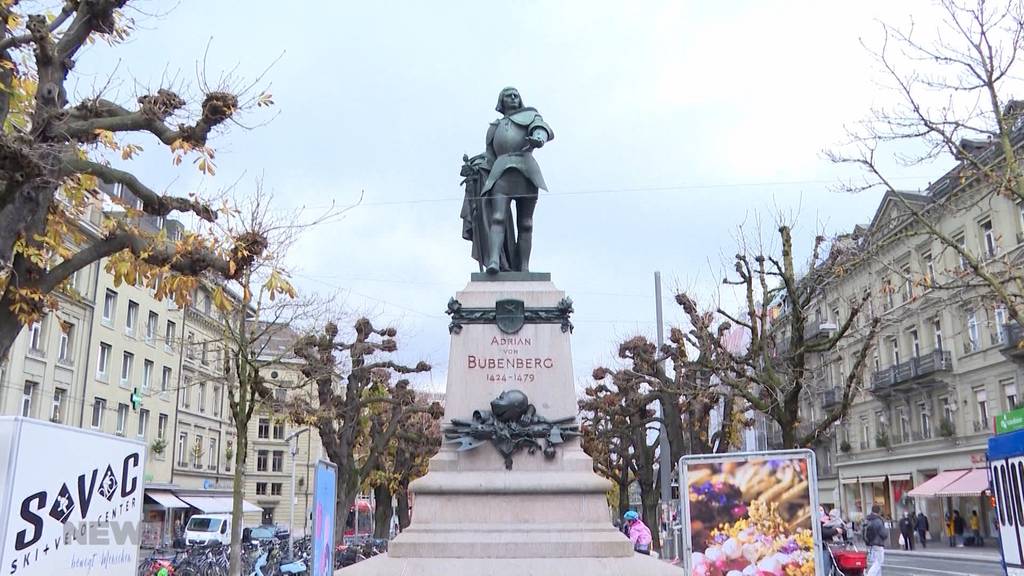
(510, 315)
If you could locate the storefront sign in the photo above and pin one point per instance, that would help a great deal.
(1010, 421)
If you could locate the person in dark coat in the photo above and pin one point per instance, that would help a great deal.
(921, 525)
(907, 531)
(958, 528)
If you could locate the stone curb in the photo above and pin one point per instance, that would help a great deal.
(989, 558)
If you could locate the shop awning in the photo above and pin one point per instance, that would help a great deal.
(213, 505)
(848, 480)
(971, 484)
(940, 481)
(872, 479)
(899, 477)
(166, 499)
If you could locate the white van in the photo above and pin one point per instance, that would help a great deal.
(203, 529)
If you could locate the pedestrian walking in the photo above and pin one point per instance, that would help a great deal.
(875, 537)
(639, 533)
(921, 525)
(949, 529)
(958, 528)
(976, 528)
(907, 531)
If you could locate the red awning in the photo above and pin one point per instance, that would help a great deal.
(940, 481)
(971, 484)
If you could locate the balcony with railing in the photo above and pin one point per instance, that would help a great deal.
(922, 371)
(830, 399)
(1014, 345)
(817, 331)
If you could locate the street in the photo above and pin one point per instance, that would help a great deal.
(924, 566)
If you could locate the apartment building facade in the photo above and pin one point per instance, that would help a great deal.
(941, 367)
(115, 359)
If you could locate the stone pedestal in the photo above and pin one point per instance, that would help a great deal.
(544, 516)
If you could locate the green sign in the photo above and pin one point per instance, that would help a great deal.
(136, 399)
(1010, 421)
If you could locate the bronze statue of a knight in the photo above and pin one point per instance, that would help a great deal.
(506, 172)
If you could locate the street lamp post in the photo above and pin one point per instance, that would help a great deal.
(293, 448)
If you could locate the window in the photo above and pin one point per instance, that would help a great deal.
(928, 266)
(865, 433)
(67, 330)
(182, 444)
(263, 430)
(216, 400)
(973, 341)
(915, 344)
(132, 319)
(904, 419)
(122, 419)
(186, 392)
(109, 306)
(169, 335)
(961, 243)
(988, 239)
(947, 409)
(206, 303)
(35, 336)
(937, 328)
(889, 300)
(161, 426)
(103, 363)
(99, 406)
(908, 283)
(926, 421)
(876, 362)
(126, 367)
(835, 316)
(1010, 393)
(27, 395)
(261, 488)
(211, 455)
(280, 394)
(204, 358)
(981, 399)
(190, 352)
(143, 422)
(227, 459)
(197, 452)
(151, 323)
(165, 379)
(279, 430)
(895, 351)
(278, 461)
(202, 396)
(147, 374)
(275, 489)
(1001, 320)
(57, 410)
(261, 460)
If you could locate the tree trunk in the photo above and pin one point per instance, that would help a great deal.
(347, 492)
(404, 513)
(238, 490)
(649, 499)
(383, 511)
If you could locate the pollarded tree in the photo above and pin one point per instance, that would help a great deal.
(54, 154)
(953, 86)
(407, 458)
(774, 373)
(342, 413)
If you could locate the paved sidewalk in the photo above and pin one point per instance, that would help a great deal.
(984, 554)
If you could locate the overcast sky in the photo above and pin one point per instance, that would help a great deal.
(675, 122)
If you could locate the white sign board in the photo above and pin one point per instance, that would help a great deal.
(70, 500)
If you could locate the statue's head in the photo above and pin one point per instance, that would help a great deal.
(510, 405)
(509, 100)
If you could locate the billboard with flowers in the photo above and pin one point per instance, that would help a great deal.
(750, 514)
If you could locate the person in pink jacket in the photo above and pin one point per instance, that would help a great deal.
(639, 533)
